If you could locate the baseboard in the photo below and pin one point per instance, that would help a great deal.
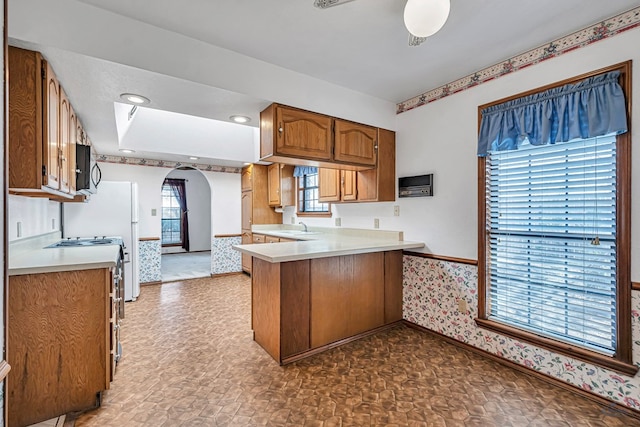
(151, 283)
(233, 273)
(608, 404)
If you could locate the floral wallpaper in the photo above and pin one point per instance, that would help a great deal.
(150, 261)
(431, 292)
(224, 258)
(602, 30)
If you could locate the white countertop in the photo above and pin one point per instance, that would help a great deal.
(323, 243)
(39, 260)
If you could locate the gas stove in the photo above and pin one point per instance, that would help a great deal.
(87, 241)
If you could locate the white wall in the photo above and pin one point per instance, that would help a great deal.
(199, 206)
(225, 196)
(36, 216)
(441, 138)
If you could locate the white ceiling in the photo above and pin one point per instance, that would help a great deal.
(213, 59)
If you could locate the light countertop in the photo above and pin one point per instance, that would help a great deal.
(323, 243)
(33, 258)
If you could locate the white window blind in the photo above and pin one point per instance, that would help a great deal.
(551, 213)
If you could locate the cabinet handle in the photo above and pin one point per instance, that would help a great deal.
(78, 171)
(280, 129)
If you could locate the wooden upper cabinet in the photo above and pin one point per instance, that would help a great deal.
(281, 185)
(43, 129)
(328, 185)
(336, 185)
(65, 143)
(355, 143)
(52, 151)
(303, 134)
(245, 178)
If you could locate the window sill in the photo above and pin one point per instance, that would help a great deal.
(316, 214)
(608, 362)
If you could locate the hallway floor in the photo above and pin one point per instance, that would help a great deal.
(183, 266)
(189, 360)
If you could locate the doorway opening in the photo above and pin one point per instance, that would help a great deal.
(186, 225)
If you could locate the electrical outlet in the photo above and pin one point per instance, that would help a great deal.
(154, 212)
(293, 220)
(462, 305)
(338, 222)
(53, 223)
(376, 223)
(19, 230)
(396, 210)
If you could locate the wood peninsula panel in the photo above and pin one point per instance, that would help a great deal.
(59, 343)
(347, 296)
(265, 304)
(295, 305)
(392, 286)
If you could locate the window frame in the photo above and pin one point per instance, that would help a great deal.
(300, 187)
(622, 359)
(162, 243)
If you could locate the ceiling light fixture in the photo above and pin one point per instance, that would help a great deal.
(135, 99)
(194, 158)
(424, 18)
(240, 119)
(126, 150)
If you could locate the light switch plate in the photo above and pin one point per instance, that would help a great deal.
(376, 223)
(396, 210)
(154, 212)
(19, 230)
(462, 305)
(338, 222)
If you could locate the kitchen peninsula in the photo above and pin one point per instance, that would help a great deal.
(328, 287)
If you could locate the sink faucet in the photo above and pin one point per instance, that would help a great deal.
(304, 225)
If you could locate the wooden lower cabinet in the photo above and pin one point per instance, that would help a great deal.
(59, 343)
(247, 239)
(303, 307)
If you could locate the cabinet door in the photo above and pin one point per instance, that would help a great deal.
(303, 134)
(247, 239)
(273, 180)
(355, 143)
(65, 142)
(245, 178)
(73, 167)
(247, 210)
(348, 186)
(328, 185)
(51, 119)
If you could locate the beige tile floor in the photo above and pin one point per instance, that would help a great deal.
(189, 360)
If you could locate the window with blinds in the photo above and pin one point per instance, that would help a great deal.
(551, 241)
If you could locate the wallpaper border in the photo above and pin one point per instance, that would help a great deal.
(579, 39)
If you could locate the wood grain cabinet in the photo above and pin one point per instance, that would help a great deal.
(281, 185)
(60, 344)
(43, 129)
(255, 205)
(374, 185)
(337, 185)
(297, 137)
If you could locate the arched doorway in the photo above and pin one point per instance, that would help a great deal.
(186, 238)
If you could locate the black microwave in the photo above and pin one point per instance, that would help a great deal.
(88, 173)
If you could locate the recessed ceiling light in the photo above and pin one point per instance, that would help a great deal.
(126, 150)
(193, 158)
(240, 119)
(135, 99)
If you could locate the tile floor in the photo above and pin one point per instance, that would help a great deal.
(189, 360)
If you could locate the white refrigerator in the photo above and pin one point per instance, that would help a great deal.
(112, 211)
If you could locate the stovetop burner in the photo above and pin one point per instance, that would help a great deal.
(86, 241)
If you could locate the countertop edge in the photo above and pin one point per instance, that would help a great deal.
(59, 268)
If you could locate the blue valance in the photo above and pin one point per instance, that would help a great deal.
(304, 170)
(592, 107)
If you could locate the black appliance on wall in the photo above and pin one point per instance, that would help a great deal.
(88, 173)
(415, 186)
